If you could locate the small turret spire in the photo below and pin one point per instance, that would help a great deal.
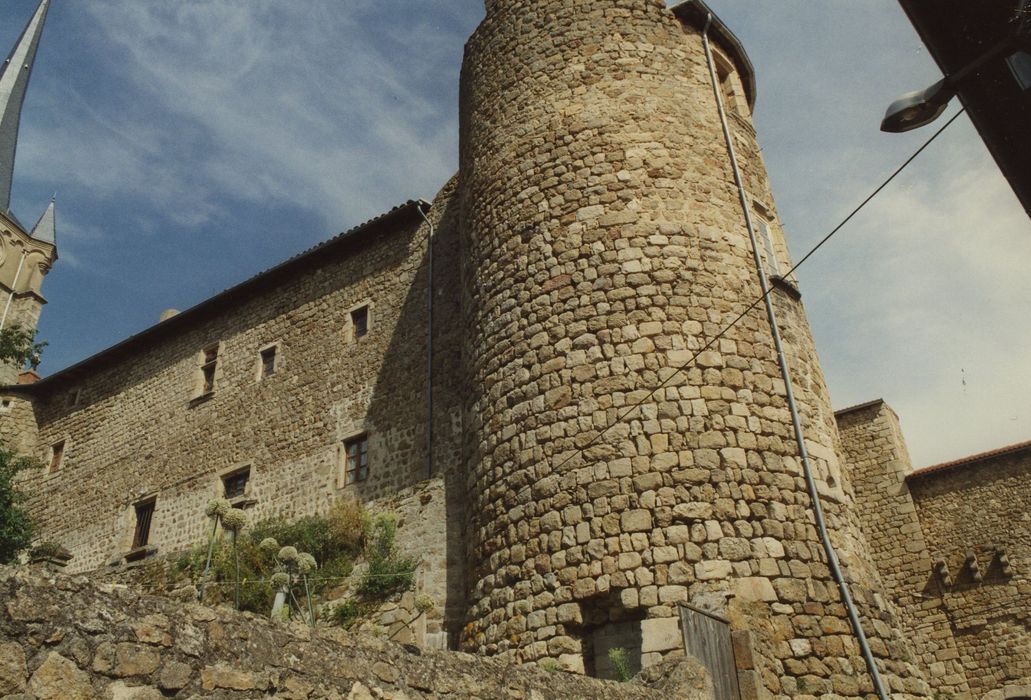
(45, 229)
(14, 79)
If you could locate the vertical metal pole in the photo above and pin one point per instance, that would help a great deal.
(429, 338)
(803, 453)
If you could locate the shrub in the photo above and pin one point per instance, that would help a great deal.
(620, 663)
(346, 519)
(347, 613)
(325, 538)
(388, 571)
(15, 527)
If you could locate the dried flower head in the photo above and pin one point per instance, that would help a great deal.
(269, 545)
(218, 507)
(287, 554)
(306, 563)
(235, 520)
(423, 603)
(280, 579)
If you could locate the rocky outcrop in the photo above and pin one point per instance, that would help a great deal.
(69, 638)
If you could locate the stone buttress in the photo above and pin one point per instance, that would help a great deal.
(604, 245)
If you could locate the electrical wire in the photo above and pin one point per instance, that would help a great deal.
(737, 319)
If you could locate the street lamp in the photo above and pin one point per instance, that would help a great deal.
(916, 109)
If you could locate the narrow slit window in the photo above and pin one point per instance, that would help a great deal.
(356, 458)
(268, 362)
(144, 514)
(56, 456)
(208, 366)
(235, 485)
(360, 322)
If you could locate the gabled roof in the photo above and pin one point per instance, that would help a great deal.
(177, 324)
(972, 459)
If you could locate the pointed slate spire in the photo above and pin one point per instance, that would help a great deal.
(14, 79)
(45, 229)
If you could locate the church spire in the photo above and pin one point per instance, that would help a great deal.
(14, 79)
(45, 229)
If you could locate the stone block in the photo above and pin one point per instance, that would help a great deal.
(13, 672)
(57, 678)
(712, 569)
(754, 588)
(636, 520)
(661, 634)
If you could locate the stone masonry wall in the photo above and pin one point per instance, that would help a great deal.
(605, 245)
(68, 639)
(983, 508)
(136, 427)
(878, 462)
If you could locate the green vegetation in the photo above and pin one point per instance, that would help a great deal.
(18, 345)
(332, 539)
(348, 612)
(388, 571)
(620, 661)
(15, 527)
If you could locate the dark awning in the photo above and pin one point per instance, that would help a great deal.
(958, 32)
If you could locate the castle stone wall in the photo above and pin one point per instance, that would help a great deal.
(983, 509)
(606, 245)
(137, 426)
(878, 463)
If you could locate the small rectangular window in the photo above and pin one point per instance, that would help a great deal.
(5, 406)
(56, 455)
(356, 464)
(766, 239)
(207, 368)
(360, 322)
(268, 362)
(235, 485)
(144, 514)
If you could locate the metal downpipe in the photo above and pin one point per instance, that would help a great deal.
(429, 336)
(814, 496)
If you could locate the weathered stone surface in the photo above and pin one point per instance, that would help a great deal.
(175, 675)
(224, 676)
(13, 673)
(57, 678)
(120, 691)
(259, 657)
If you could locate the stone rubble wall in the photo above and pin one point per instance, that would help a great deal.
(878, 462)
(141, 429)
(68, 639)
(606, 245)
(423, 533)
(983, 508)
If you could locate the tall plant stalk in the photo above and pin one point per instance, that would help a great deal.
(236, 582)
(207, 564)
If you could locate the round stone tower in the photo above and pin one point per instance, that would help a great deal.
(605, 244)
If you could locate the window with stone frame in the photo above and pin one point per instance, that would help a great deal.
(727, 77)
(144, 515)
(208, 366)
(267, 358)
(356, 459)
(56, 456)
(234, 484)
(360, 322)
(764, 231)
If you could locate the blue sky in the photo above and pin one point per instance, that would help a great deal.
(192, 144)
